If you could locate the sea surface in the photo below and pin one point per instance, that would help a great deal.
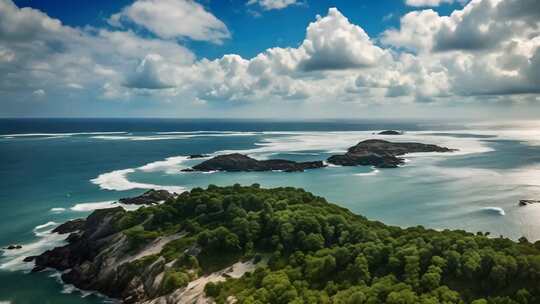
(53, 170)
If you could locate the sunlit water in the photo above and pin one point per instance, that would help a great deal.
(55, 170)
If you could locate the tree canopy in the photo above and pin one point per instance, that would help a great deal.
(312, 251)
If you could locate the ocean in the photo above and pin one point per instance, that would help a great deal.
(53, 170)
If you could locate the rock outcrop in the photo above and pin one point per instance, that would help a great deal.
(101, 258)
(195, 156)
(390, 132)
(381, 153)
(70, 226)
(237, 162)
(525, 202)
(150, 197)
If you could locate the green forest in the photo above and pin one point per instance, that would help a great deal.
(308, 250)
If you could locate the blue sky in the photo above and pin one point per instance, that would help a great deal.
(270, 58)
(250, 34)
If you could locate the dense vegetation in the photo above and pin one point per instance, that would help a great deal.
(312, 251)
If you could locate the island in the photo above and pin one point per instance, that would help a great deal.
(247, 244)
(381, 153)
(237, 162)
(390, 132)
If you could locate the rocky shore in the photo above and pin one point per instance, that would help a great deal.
(150, 197)
(381, 153)
(100, 256)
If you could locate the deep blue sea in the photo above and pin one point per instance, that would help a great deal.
(53, 170)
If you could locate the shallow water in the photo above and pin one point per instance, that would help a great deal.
(54, 170)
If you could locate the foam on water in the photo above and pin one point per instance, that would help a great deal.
(141, 138)
(174, 135)
(53, 135)
(117, 180)
(170, 165)
(91, 206)
(58, 210)
(495, 210)
(12, 260)
(374, 171)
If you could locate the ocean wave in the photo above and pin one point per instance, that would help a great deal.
(82, 207)
(212, 133)
(169, 165)
(374, 171)
(494, 210)
(174, 135)
(118, 181)
(58, 210)
(70, 288)
(55, 134)
(12, 260)
(46, 225)
(141, 137)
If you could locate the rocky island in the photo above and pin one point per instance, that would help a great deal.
(285, 245)
(390, 132)
(381, 153)
(237, 162)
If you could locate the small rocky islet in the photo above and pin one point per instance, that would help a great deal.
(390, 132)
(382, 154)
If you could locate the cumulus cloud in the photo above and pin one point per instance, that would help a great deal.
(173, 19)
(487, 48)
(431, 3)
(273, 4)
(39, 51)
(334, 43)
(150, 74)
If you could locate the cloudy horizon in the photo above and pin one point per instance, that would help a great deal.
(272, 59)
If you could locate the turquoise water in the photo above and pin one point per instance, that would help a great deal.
(69, 167)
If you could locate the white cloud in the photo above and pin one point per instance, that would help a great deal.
(273, 4)
(332, 42)
(462, 57)
(431, 3)
(486, 48)
(173, 19)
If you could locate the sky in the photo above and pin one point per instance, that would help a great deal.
(280, 59)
